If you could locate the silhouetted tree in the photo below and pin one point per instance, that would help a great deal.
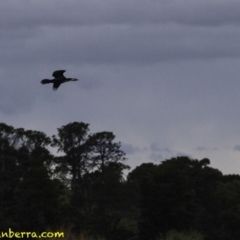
(28, 197)
(85, 188)
(226, 211)
(104, 150)
(171, 195)
(71, 140)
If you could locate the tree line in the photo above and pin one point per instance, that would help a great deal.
(83, 188)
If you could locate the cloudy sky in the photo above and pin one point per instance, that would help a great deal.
(162, 75)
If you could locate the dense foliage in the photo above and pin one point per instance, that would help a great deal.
(84, 189)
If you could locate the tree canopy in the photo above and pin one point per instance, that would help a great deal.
(84, 188)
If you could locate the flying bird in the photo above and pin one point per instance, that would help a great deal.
(59, 78)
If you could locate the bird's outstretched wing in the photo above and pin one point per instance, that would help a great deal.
(56, 85)
(59, 73)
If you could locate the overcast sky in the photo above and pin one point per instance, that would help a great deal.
(162, 75)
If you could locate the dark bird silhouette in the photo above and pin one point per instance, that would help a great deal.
(59, 78)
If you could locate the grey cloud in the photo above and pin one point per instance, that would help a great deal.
(108, 44)
(156, 157)
(129, 148)
(160, 71)
(155, 148)
(201, 148)
(236, 148)
(12, 103)
(159, 154)
(129, 32)
(90, 82)
(44, 13)
(17, 93)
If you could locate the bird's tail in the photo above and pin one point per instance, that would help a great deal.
(46, 81)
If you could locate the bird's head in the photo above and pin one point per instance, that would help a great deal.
(74, 79)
